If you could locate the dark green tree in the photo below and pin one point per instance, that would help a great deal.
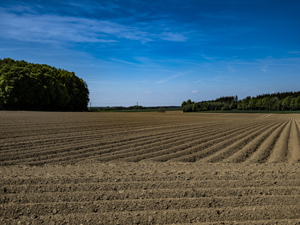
(183, 104)
(28, 86)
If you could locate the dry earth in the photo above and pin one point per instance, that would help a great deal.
(149, 168)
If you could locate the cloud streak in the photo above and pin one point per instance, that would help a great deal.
(31, 27)
(172, 36)
(215, 79)
(23, 23)
(173, 76)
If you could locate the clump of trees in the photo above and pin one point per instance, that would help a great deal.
(135, 108)
(278, 101)
(222, 103)
(161, 109)
(29, 86)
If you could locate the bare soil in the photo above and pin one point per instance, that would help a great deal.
(149, 168)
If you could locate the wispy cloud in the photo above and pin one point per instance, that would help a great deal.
(295, 52)
(35, 27)
(25, 24)
(173, 76)
(231, 69)
(218, 16)
(194, 91)
(223, 79)
(269, 62)
(147, 92)
(121, 61)
(172, 36)
(212, 59)
(215, 79)
(264, 68)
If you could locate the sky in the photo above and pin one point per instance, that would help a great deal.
(160, 52)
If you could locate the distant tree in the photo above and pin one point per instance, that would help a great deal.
(226, 107)
(233, 105)
(252, 104)
(292, 104)
(184, 103)
(245, 103)
(273, 103)
(286, 103)
(297, 103)
(161, 109)
(265, 103)
(277, 101)
(187, 108)
(239, 105)
(189, 101)
(193, 107)
(236, 99)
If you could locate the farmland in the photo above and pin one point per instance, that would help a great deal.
(149, 168)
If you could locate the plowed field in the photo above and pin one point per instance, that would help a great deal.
(149, 168)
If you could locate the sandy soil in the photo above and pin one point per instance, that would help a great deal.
(149, 168)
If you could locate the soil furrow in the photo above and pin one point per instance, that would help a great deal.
(78, 152)
(235, 147)
(170, 216)
(280, 149)
(110, 153)
(168, 154)
(263, 152)
(173, 155)
(182, 145)
(143, 218)
(121, 186)
(87, 135)
(81, 173)
(10, 210)
(294, 144)
(59, 138)
(111, 143)
(251, 147)
(209, 150)
(85, 196)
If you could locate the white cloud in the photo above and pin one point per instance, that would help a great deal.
(215, 79)
(194, 91)
(168, 36)
(264, 69)
(121, 61)
(31, 26)
(231, 69)
(173, 76)
(295, 52)
(209, 58)
(147, 92)
(43, 28)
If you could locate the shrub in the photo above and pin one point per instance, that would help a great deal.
(161, 109)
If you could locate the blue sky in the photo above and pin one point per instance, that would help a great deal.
(160, 52)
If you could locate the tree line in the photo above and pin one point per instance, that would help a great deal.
(29, 86)
(277, 101)
(133, 108)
